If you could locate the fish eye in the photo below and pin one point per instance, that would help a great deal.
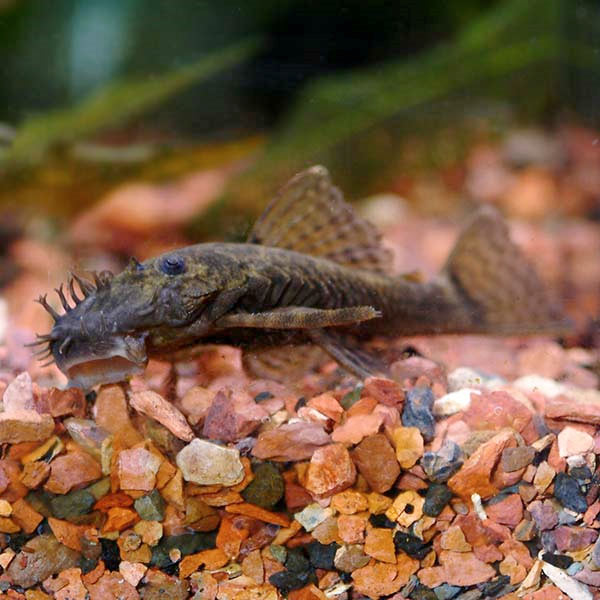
(172, 265)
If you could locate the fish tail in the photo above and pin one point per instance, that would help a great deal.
(489, 273)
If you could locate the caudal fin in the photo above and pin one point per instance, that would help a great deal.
(488, 269)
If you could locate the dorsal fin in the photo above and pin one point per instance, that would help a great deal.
(309, 215)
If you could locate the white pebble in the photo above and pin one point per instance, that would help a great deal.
(312, 515)
(453, 402)
(571, 587)
(543, 385)
(206, 463)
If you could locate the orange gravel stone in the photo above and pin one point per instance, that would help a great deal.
(408, 442)
(365, 406)
(34, 474)
(328, 405)
(120, 499)
(232, 532)
(252, 566)
(222, 498)
(454, 539)
(356, 428)
(406, 508)
(25, 516)
(211, 559)
(112, 414)
(74, 589)
(156, 407)
(518, 550)
(458, 568)
(62, 403)
(378, 503)
(383, 579)
(330, 470)
(120, 518)
(511, 567)
(141, 554)
(7, 525)
(196, 402)
(150, 531)
(380, 545)
(385, 391)
(67, 533)
(73, 470)
(309, 592)
(496, 410)
(349, 502)
(256, 512)
(132, 571)
(507, 511)
(112, 585)
(351, 528)
(173, 491)
(137, 469)
(24, 426)
(291, 441)
(165, 473)
(376, 461)
(475, 474)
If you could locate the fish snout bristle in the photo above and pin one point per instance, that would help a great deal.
(63, 298)
(44, 302)
(102, 279)
(86, 287)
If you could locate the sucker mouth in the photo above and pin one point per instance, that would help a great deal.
(126, 356)
(112, 369)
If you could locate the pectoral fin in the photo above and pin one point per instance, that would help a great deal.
(300, 317)
(346, 352)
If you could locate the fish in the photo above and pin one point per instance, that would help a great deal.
(312, 279)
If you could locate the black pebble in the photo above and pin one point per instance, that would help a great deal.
(110, 554)
(286, 581)
(267, 487)
(562, 561)
(171, 569)
(567, 492)
(411, 544)
(438, 495)
(581, 473)
(296, 561)
(381, 521)
(422, 592)
(493, 589)
(300, 403)
(87, 564)
(186, 543)
(321, 556)
(16, 540)
(417, 411)
(541, 456)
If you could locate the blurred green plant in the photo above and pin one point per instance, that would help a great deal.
(518, 53)
(112, 105)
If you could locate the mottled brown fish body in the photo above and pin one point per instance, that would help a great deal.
(313, 272)
(278, 278)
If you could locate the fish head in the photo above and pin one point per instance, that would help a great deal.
(103, 337)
